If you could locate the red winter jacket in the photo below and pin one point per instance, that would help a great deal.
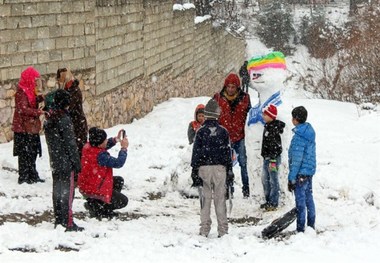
(234, 113)
(26, 117)
(95, 181)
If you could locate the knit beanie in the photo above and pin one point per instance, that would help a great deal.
(212, 110)
(271, 111)
(96, 136)
(300, 114)
(232, 78)
(61, 99)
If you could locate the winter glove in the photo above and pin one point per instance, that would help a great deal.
(291, 186)
(197, 181)
(230, 177)
(272, 165)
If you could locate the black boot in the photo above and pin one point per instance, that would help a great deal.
(94, 208)
(246, 191)
(74, 228)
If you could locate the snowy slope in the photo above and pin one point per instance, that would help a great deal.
(165, 228)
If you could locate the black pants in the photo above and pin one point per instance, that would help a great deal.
(63, 196)
(118, 200)
(27, 147)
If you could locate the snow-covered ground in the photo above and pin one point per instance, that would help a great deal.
(161, 225)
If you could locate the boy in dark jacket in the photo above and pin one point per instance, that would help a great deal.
(96, 181)
(212, 156)
(271, 150)
(302, 166)
(64, 159)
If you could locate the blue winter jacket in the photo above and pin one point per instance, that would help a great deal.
(211, 146)
(302, 156)
(105, 159)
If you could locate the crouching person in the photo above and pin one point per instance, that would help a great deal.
(96, 181)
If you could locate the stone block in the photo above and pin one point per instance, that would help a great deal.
(55, 55)
(78, 53)
(78, 30)
(18, 59)
(61, 43)
(56, 7)
(62, 19)
(30, 9)
(43, 8)
(43, 57)
(67, 54)
(5, 61)
(31, 58)
(55, 31)
(17, 9)
(5, 10)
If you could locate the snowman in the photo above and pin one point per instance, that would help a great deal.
(267, 74)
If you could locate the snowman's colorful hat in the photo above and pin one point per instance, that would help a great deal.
(272, 60)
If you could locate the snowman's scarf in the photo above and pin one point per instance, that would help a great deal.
(255, 114)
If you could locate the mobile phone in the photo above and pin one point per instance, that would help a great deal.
(123, 134)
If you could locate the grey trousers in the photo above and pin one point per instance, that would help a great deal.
(214, 183)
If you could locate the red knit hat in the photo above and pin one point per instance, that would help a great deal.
(232, 78)
(271, 111)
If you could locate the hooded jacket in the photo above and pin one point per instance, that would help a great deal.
(26, 114)
(194, 125)
(234, 113)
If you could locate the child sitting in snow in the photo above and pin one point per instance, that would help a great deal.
(199, 118)
(271, 152)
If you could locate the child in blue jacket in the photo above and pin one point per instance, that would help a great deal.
(302, 166)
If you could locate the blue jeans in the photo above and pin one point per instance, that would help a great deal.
(305, 202)
(270, 182)
(239, 148)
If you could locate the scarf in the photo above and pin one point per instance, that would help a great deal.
(27, 83)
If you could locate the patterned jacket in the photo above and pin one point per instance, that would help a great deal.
(211, 146)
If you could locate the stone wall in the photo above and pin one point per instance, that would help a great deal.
(130, 55)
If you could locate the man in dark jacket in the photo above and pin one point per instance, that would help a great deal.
(244, 75)
(235, 104)
(212, 156)
(64, 159)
